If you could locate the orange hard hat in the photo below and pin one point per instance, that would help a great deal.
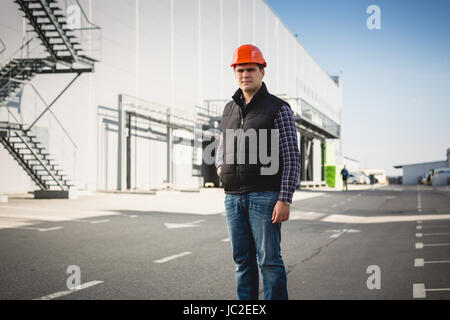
(248, 53)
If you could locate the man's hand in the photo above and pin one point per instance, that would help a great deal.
(218, 170)
(280, 212)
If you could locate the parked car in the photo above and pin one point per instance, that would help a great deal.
(440, 177)
(358, 178)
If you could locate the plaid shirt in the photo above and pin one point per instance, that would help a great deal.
(290, 158)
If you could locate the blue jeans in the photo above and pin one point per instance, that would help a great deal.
(252, 235)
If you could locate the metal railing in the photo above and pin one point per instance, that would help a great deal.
(214, 108)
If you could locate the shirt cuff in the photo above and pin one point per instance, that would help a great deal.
(285, 196)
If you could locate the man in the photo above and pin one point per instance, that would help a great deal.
(257, 202)
(344, 174)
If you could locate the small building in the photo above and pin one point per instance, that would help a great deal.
(412, 172)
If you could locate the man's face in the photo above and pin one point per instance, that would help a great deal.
(249, 76)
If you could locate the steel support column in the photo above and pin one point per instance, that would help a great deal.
(322, 149)
(302, 158)
(121, 145)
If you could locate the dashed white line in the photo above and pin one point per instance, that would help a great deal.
(419, 290)
(65, 293)
(419, 200)
(225, 240)
(420, 245)
(39, 229)
(421, 262)
(433, 227)
(99, 221)
(173, 257)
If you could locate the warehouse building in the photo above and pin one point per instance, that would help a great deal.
(112, 95)
(415, 171)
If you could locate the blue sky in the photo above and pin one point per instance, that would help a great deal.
(396, 79)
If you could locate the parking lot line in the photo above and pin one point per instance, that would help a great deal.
(99, 221)
(435, 244)
(173, 257)
(419, 201)
(433, 227)
(39, 229)
(421, 262)
(419, 291)
(66, 292)
(435, 234)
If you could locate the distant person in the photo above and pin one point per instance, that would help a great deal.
(344, 174)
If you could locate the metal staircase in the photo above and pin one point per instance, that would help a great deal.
(19, 71)
(63, 53)
(50, 25)
(32, 157)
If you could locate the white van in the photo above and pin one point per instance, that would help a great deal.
(440, 177)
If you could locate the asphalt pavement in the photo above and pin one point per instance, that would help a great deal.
(372, 242)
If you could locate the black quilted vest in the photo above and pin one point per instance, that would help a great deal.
(260, 113)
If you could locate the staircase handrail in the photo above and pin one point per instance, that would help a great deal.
(6, 61)
(51, 112)
(38, 159)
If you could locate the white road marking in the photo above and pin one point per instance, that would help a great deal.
(65, 293)
(419, 245)
(436, 261)
(173, 257)
(419, 291)
(419, 221)
(432, 227)
(127, 215)
(418, 235)
(339, 233)
(340, 218)
(419, 262)
(419, 227)
(437, 234)
(302, 215)
(419, 200)
(99, 221)
(226, 240)
(91, 222)
(434, 245)
(183, 225)
(39, 229)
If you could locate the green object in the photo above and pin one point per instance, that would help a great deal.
(330, 176)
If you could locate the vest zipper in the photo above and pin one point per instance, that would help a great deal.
(238, 166)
